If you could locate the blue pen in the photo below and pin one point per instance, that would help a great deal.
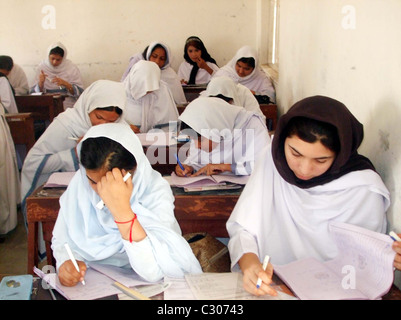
(180, 164)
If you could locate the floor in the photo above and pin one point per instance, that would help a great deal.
(13, 251)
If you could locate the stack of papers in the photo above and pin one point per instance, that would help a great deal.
(213, 182)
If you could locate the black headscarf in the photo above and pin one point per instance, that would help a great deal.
(205, 56)
(350, 134)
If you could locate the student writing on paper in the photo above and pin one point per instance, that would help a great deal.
(57, 74)
(244, 68)
(101, 102)
(149, 99)
(160, 54)
(311, 174)
(198, 66)
(225, 138)
(135, 229)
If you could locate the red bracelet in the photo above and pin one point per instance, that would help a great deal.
(132, 224)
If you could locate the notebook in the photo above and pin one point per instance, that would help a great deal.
(204, 182)
(363, 268)
(59, 179)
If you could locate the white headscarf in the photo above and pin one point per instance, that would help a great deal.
(148, 109)
(66, 70)
(240, 94)
(233, 127)
(92, 233)
(54, 151)
(275, 218)
(257, 80)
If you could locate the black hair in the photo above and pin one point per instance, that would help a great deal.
(226, 99)
(186, 129)
(101, 152)
(57, 50)
(111, 109)
(249, 61)
(310, 130)
(144, 53)
(6, 62)
(197, 43)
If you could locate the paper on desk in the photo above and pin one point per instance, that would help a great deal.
(96, 286)
(178, 290)
(59, 179)
(204, 180)
(226, 286)
(127, 277)
(363, 268)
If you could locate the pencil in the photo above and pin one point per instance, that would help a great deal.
(130, 292)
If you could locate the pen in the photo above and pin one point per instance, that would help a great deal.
(73, 138)
(180, 164)
(74, 262)
(394, 236)
(100, 204)
(265, 263)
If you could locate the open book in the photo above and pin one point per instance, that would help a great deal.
(59, 180)
(204, 182)
(363, 268)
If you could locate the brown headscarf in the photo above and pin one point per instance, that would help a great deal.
(350, 134)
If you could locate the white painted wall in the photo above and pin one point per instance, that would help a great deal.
(101, 35)
(360, 67)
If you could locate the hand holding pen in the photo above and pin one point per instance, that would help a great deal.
(397, 249)
(182, 170)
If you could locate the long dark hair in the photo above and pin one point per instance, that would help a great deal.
(197, 43)
(101, 152)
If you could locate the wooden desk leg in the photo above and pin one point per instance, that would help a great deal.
(33, 258)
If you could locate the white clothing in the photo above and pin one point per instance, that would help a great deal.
(202, 76)
(257, 81)
(54, 151)
(18, 80)
(240, 94)
(275, 218)
(149, 100)
(9, 176)
(66, 71)
(94, 236)
(7, 96)
(168, 74)
(239, 134)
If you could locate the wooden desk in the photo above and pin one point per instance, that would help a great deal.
(44, 107)
(197, 211)
(22, 128)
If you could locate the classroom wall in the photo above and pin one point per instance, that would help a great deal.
(101, 35)
(351, 51)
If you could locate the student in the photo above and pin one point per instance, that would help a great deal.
(149, 100)
(159, 53)
(102, 102)
(311, 174)
(6, 90)
(198, 66)
(136, 228)
(9, 176)
(234, 93)
(244, 68)
(18, 79)
(57, 74)
(226, 138)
